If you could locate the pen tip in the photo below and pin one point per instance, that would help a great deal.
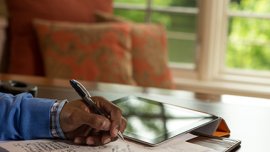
(72, 80)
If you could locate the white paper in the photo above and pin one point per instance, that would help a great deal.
(175, 145)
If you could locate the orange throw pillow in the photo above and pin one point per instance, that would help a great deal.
(149, 52)
(95, 52)
(25, 58)
(149, 56)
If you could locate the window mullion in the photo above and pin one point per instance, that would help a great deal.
(148, 11)
(211, 38)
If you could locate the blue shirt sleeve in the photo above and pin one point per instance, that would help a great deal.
(24, 117)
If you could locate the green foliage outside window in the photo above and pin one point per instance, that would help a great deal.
(180, 50)
(249, 39)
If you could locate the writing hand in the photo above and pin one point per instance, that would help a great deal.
(76, 119)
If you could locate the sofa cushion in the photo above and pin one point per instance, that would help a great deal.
(149, 52)
(95, 52)
(25, 57)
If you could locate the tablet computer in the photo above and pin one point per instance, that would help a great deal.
(151, 122)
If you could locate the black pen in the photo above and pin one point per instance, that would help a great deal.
(85, 95)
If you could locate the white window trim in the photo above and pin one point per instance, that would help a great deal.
(209, 75)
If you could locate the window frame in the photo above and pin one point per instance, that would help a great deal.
(210, 75)
(212, 71)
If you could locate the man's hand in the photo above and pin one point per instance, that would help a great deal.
(84, 127)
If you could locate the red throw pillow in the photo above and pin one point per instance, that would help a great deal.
(25, 58)
(95, 52)
(149, 52)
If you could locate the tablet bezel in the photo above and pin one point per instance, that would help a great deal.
(157, 140)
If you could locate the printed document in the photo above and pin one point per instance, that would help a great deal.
(175, 145)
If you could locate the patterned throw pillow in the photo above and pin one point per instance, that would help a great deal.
(149, 52)
(25, 57)
(149, 56)
(95, 52)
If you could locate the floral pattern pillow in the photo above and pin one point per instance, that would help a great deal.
(24, 53)
(149, 56)
(94, 52)
(149, 52)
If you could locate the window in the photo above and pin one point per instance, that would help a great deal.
(215, 47)
(179, 17)
(248, 47)
(249, 35)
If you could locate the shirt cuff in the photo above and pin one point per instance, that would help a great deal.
(55, 127)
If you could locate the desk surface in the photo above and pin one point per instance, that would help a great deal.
(248, 123)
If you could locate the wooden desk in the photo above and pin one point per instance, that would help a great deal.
(249, 123)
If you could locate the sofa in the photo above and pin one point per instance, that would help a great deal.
(82, 39)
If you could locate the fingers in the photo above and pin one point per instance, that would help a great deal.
(72, 118)
(123, 124)
(118, 123)
(94, 141)
(76, 114)
(83, 130)
(98, 139)
(115, 127)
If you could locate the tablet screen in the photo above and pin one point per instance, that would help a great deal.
(153, 122)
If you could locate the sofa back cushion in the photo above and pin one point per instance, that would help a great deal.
(25, 57)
